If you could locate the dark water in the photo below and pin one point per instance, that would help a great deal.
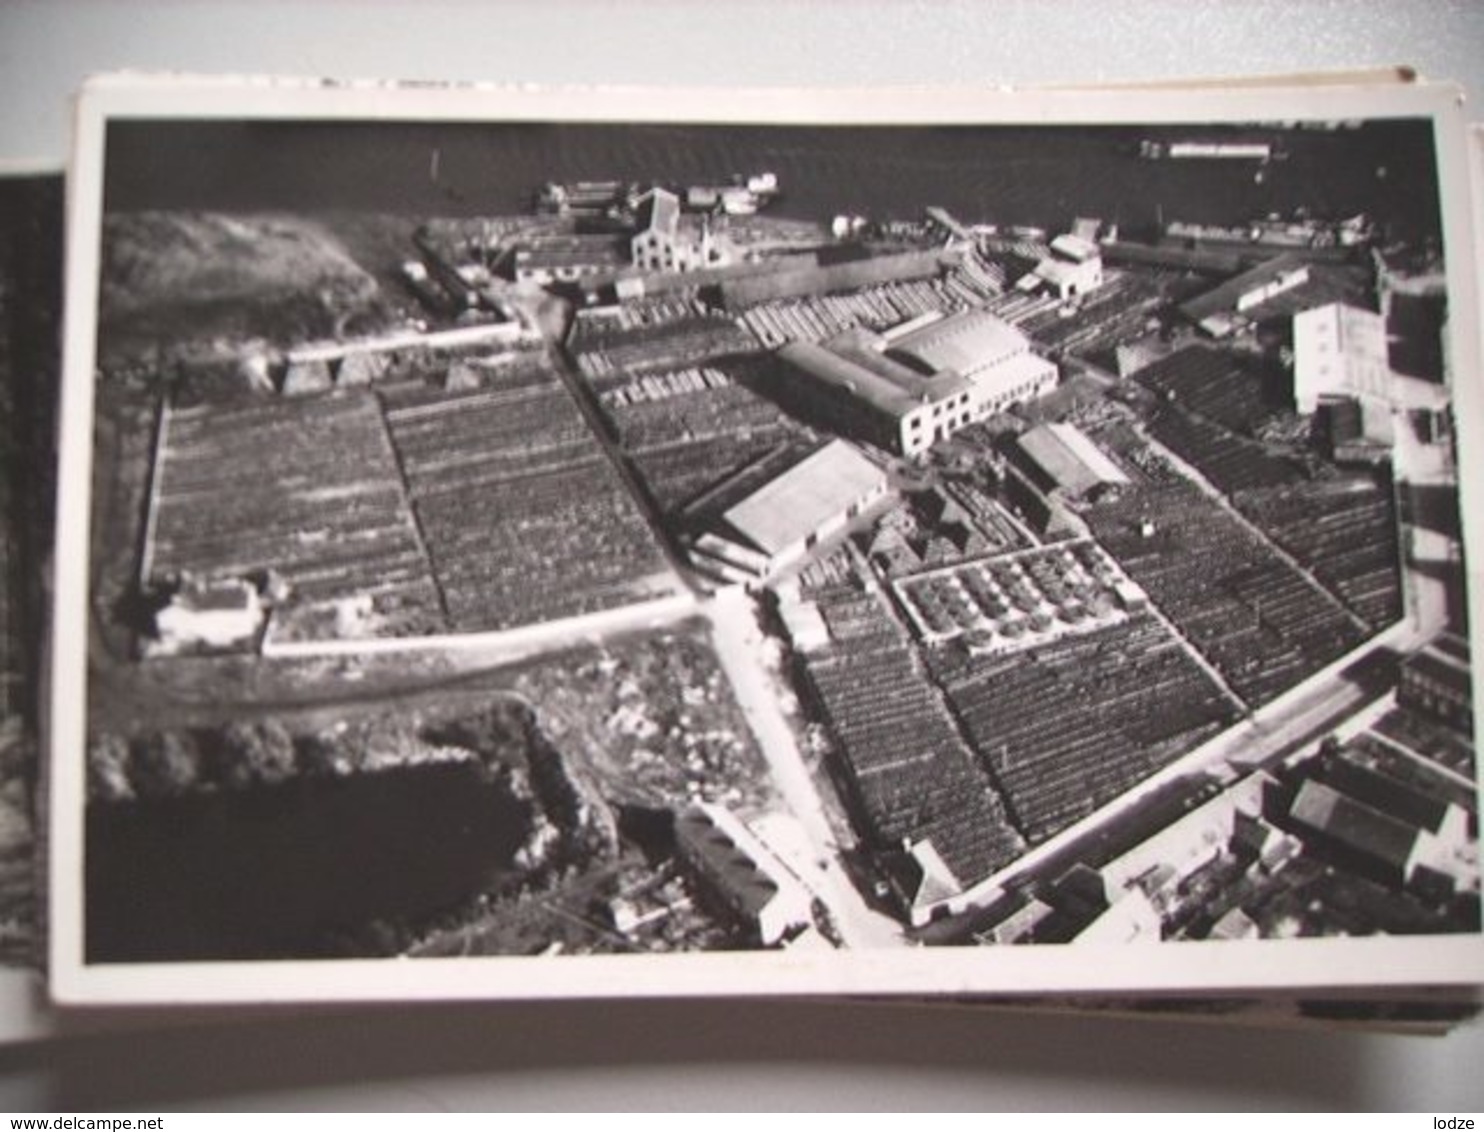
(1039, 175)
(304, 869)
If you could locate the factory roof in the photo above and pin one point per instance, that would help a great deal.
(737, 294)
(1353, 824)
(799, 501)
(1224, 298)
(1443, 667)
(1068, 458)
(849, 363)
(961, 342)
(1387, 794)
(732, 853)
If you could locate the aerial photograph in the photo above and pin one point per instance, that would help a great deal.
(568, 538)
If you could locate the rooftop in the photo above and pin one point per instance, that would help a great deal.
(1224, 297)
(659, 209)
(1065, 454)
(1353, 824)
(962, 342)
(217, 597)
(848, 362)
(797, 502)
(1352, 330)
(1078, 249)
(731, 852)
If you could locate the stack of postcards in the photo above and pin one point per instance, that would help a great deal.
(957, 544)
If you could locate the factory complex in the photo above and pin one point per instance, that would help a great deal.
(1040, 554)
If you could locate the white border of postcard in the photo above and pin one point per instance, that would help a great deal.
(1207, 967)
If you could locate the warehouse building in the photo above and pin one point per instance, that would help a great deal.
(544, 260)
(751, 533)
(1225, 309)
(1060, 457)
(741, 873)
(904, 392)
(1339, 351)
(1437, 682)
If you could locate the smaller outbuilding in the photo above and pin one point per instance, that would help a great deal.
(1437, 682)
(1061, 457)
(1074, 268)
(741, 873)
(208, 616)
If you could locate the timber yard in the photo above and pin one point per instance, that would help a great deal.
(660, 570)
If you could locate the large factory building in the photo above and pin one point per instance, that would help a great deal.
(911, 387)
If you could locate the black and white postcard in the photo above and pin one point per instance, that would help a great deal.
(536, 543)
(30, 336)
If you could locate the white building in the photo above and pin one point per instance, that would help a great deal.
(924, 884)
(776, 524)
(1339, 351)
(668, 240)
(991, 355)
(911, 387)
(208, 616)
(1074, 267)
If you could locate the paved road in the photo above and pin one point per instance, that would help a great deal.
(738, 643)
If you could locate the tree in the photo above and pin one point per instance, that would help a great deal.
(163, 764)
(246, 754)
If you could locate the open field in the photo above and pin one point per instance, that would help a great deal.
(191, 281)
(482, 811)
(1254, 616)
(525, 518)
(905, 770)
(327, 512)
(1069, 726)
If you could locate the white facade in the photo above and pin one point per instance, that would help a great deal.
(1074, 267)
(1339, 350)
(672, 242)
(216, 616)
(994, 357)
